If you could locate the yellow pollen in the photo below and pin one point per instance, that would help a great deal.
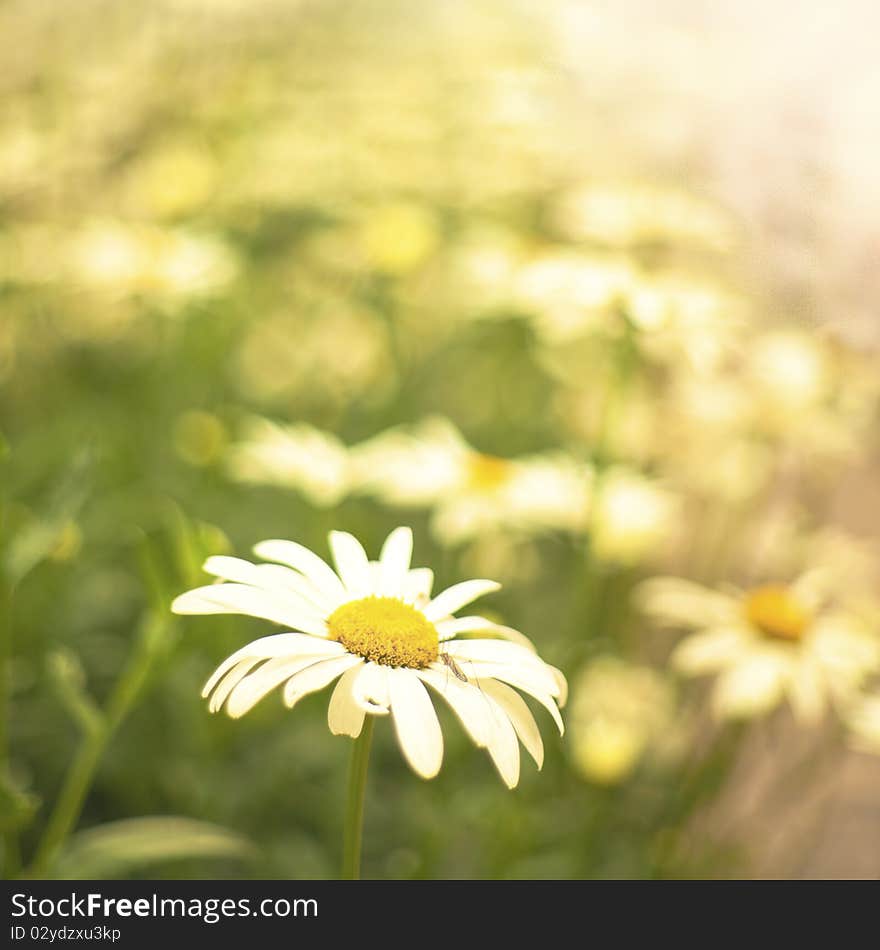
(776, 612)
(486, 472)
(385, 630)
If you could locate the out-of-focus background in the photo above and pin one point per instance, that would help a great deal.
(587, 293)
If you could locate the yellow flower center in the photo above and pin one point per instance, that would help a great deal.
(486, 472)
(776, 612)
(385, 630)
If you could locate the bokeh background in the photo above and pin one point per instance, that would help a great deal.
(585, 292)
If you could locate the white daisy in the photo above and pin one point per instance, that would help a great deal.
(293, 456)
(374, 627)
(619, 714)
(768, 644)
(472, 493)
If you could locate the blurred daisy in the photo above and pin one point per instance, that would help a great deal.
(470, 492)
(632, 515)
(397, 237)
(484, 266)
(300, 456)
(790, 369)
(174, 179)
(810, 391)
(767, 644)
(172, 263)
(628, 214)
(679, 317)
(617, 712)
(570, 294)
(374, 628)
(200, 437)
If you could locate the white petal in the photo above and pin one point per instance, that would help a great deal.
(524, 681)
(813, 588)
(258, 684)
(232, 678)
(504, 749)
(520, 716)
(485, 720)
(251, 602)
(447, 629)
(749, 688)
(232, 569)
(306, 562)
(371, 689)
(375, 585)
(317, 677)
(280, 644)
(710, 650)
(499, 654)
(465, 700)
(270, 577)
(352, 563)
(395, 560)
(561, 684)
(494, 651)
(417, 586)
(415, 722)
(344, 716)
(683, 603)
(807, 691)
(455, 597)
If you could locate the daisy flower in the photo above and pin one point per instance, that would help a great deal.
(620, 713)
(767, 644)
(631, 516)
(374, 629)
(627, 214)
(300, 456)
(472, 493)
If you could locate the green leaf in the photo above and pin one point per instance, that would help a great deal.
(120, 847)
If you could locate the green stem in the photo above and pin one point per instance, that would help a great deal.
(621, 370)
(79, 775)
(11, 856)
(354, 811)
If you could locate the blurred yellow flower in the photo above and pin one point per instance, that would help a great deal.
(69, 542)
(199, 437)
(767, 644)
(433, 466)
(397, 237)
(172, 180)
(618, 711)
(631, 516)
(22, 156)
(299, 456)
